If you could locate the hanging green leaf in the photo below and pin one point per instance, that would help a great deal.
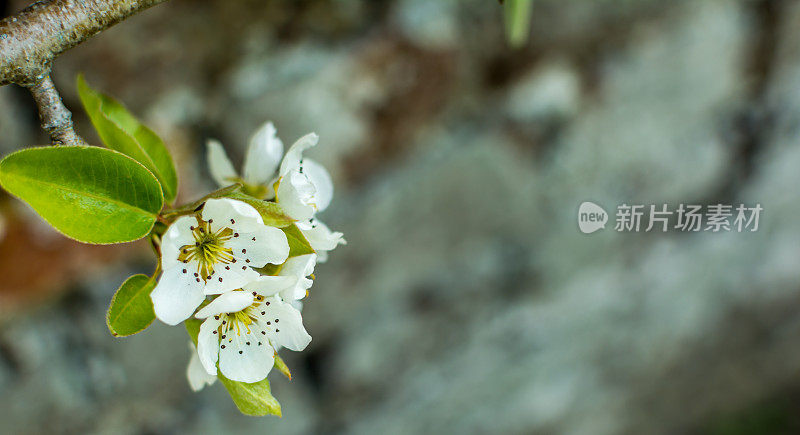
(90, 194)
(131, 309)
(518, 21)
(298, 244)
(121, 131)
(252, 399)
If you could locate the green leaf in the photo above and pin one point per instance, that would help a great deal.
(282, 367)
(131, 309)
(121, 131)
(252, 399)
(518, 20)
(271, 212)
(298, 244)
(90, 194)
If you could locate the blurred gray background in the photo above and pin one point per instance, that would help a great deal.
(466, 301)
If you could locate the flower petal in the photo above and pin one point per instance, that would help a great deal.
(177, 235)
(283, 324)
(227, 277)
(230, 302)
(246, 355)
(270, 285)
(291, 161)
(298, 267)
(219, 164)
(259, 247)
(228, 213)
(322, 182)
(176, 295)
(263, 155)
(296, 195)
(196, 373)
(208, 344)
(320, 236)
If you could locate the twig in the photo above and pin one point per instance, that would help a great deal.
(56, 118)
(31, 39)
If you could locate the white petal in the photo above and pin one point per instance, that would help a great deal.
(263, 155)
(227, 277)
(320, 236)
(219, 165)
(196, 373)
(208, 344)
(296, 195)
(176, 295)
(237, 215)
(177, 235)
(298, 267)
(291, 161)
(270, 285)
(247, 356)
(322, 182)
(259, 247)
(283, 324)
(322, 257)
(230, 302)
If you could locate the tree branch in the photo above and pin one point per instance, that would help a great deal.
(31, 39)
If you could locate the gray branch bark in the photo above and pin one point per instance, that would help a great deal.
(33, 38)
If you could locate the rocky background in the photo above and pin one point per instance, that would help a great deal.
(466, 300)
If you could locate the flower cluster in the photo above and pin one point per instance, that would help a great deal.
(223, 264)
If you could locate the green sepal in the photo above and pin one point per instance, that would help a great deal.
(90, 194)
(131, 309)
(282, 367)
(121, 131)
(298, 244)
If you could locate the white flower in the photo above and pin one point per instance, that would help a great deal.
(195, 373)
(242, 328)
(211, 253)
(304, 186)
(263, 155)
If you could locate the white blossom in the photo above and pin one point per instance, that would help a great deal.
(242, 328)
(263, 155)
(304, 186)
(213, 252)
